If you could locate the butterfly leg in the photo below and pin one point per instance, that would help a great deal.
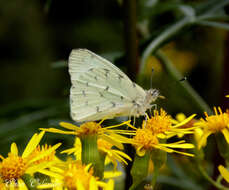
(134, 121)
(131, 113)
(150, 111)
(154, 106)
(146, 117)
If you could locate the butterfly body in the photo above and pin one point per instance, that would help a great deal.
(101, 90)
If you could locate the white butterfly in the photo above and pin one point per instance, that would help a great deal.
(101, 90)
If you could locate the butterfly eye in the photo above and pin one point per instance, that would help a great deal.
(154, 92)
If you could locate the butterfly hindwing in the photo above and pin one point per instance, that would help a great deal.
(99, 88)
(88, 103)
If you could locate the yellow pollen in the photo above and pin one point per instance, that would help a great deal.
(159, 123)
(90, 128)
(216, 122)
(77, 172)
(145, 138)
(12, 167)
(104, 144)
(40, 150)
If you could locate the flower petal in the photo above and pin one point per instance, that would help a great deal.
(14, 149)
(34, 141)
(92, 184)
(45, 153)
(184, 145)
(68, 126)
(21, 184)
(140, 151)
(112, 174)
(185, 121)
(110, 185)
(202, 141)
(224, 172)
(54, 130)
(226, 134)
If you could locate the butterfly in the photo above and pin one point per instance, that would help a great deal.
(101, 90)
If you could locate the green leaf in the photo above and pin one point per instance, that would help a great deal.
(214, 24)
(179, 183)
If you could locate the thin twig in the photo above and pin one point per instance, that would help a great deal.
(131, 41)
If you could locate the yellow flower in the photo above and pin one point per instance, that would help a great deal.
(42, 149)
(145, 140)
(76, 150)
(112, 155)
(224, 172)
(163, 126)
(214, 124)
(92, 128)
(13, 167)
(76, 176)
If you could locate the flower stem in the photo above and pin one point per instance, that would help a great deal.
(174, 73)
(207, 177)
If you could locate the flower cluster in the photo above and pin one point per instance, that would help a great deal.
(96, 148)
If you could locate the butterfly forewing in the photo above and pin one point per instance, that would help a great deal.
(99, 89)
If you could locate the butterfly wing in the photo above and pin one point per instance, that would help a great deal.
(99, 89)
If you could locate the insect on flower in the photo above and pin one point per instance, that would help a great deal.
(100, 89)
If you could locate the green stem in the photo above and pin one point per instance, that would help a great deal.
(30, 181)
(176, 27)
(174, 73)
(154, 177)
(207, 177)
(91, 154)
(173, 29)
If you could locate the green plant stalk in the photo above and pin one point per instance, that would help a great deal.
(139, 170)
(30, 181)
(173, 29)
(91, 155)
(208, 178)
(176, 76)
(223, 146)
(159, 158)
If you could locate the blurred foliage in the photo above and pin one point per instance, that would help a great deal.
(36, 38)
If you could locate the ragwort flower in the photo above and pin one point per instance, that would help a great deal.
(112, 155)
(213, 124)
(145, 140)
(14, 166)
(92, 128)
(75, 175)
(163, 126)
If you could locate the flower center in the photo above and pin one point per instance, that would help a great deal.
(12, 167)
(145, 138)
(40, 150)
(159, 123)
(217, 123)
(90, 128)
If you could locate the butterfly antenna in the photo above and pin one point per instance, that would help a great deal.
(151, 79)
